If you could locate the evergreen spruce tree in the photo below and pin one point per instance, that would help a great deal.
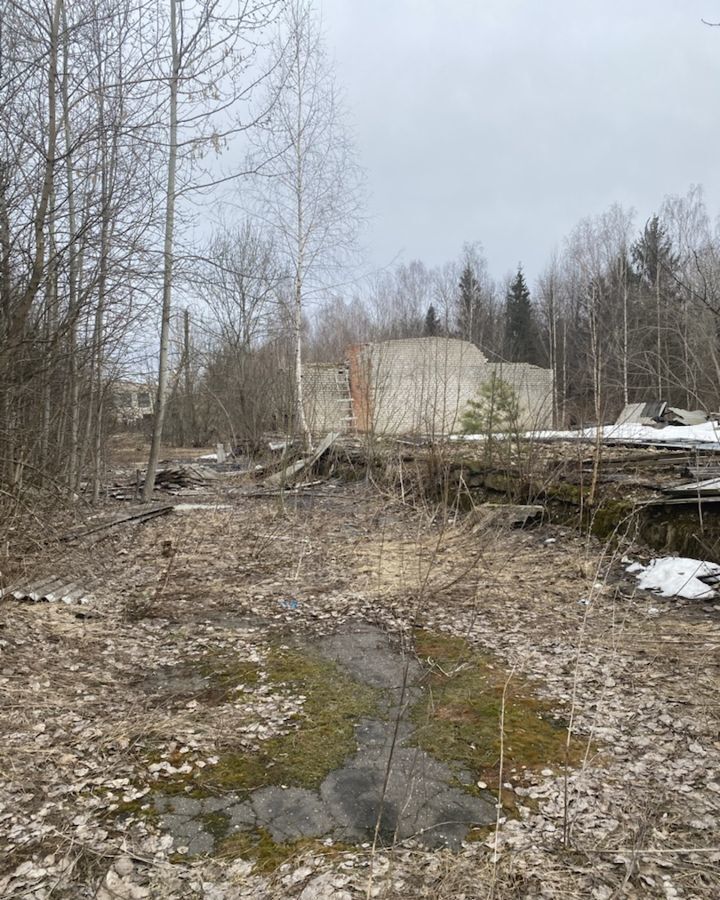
(521, 333)
(432, 323)
(496, 409)
(469, 304)
(653, 255)
(495, 415)
(655, 264)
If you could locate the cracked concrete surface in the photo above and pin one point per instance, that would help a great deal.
(387, 784)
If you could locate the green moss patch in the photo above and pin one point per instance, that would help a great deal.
(268, 854)
(322, 737)
(217, 824)
(458, 718)
(225, 674)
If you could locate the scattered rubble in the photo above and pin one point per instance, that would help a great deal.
(286, 474)
(173, 477)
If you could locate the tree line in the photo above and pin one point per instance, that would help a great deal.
(624, 311)
(124, 126)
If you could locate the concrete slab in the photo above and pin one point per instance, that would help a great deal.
(409, 792)
(291, 813)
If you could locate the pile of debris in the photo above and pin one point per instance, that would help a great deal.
(185, 476)
(174, 478)
(286, 475)
(658, 414)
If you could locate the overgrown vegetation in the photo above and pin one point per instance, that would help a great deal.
(458, 720)
(496, 410)
(496, 413)
(324, 736)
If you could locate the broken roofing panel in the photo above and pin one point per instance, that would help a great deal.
(51, 590)
(653, 410)
(646, 413)
(657, 412)
(677, 416)
(631, 413)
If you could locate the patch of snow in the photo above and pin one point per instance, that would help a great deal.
(187, 507)
(208, 457)
(677, 576)
(707, 434)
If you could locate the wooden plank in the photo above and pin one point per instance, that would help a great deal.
(131, 516)
(710, 485)
(308, 462)
(285, 474)
(704, 472)
(683, 501)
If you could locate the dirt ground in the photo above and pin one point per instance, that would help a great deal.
(188, 678)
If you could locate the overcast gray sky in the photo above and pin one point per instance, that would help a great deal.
(506, 121)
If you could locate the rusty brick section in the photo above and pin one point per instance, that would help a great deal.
(417, 386)
(359, 377)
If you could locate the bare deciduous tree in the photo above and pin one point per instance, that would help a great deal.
(308, 191)
(209, 50)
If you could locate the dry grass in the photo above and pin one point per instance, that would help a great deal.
(644, 687)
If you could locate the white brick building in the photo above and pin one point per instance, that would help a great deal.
(416, 386)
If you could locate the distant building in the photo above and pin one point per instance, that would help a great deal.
(416, 386)
(132, 401)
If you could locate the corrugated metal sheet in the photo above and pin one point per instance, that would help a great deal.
(50, 590)
(654, 409)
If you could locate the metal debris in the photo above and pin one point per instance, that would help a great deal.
(658, 413)
(646, 413)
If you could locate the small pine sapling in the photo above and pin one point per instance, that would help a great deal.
(495, 412)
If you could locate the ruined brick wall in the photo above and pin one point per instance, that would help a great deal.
(417, 386)
(533, 387)
(423, 386)
(326, 397)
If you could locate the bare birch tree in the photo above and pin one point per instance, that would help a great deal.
(309, 192)
(209, 50)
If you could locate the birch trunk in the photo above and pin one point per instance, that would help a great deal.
(300, 259)
(19, 316)
(74, 386)
(161, 396)
(658, 325)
